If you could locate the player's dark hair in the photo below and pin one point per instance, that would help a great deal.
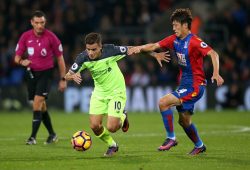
(183, 16)
(38, 14)
(93, 38)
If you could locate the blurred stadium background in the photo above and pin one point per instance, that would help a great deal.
(222, 24)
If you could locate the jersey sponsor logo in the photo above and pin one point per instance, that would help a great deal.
(123, 49)
(60, 48)
(30, 41)
(44, 52)
(30, 50)
(17, 46)
(101, 72)
(181, 59)
(203, 45)
(74, 66)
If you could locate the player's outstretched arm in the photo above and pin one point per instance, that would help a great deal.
(143, 48)
(76, 77)
(162, 56)
(215, 61)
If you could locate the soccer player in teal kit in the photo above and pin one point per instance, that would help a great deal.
(189, 50)
(109, 95)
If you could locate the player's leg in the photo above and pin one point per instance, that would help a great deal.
(191, 131)
(102, 133)
(52, 138)
(97, 109)
(165, 104)
(189, 128)
(185, 114)
(43, 88)
(117, 117)
(113, 124)
(37, 116)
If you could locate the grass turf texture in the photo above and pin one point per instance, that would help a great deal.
(226, 134)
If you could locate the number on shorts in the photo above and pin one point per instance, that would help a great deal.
(182, 90)
(117, 105)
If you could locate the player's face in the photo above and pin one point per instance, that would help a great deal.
(94, 50)
(38, 24)
(181, 30)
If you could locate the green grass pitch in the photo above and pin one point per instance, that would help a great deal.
(226, 134)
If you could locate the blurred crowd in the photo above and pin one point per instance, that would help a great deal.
(222, 24)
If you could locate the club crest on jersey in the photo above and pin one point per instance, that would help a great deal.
(203, 45)
(74, 66)
(60, 48)
(186, 44)
(44, 52)
(30, 50)
(122, 49)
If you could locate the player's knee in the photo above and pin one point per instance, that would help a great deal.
(112, 128)
(162, 104)
(38, 103)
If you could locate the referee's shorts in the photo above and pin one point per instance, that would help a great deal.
(39, 84)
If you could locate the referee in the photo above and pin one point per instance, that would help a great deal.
(41, 46)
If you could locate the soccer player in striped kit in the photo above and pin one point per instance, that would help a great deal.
(41, 46)
(190, 51)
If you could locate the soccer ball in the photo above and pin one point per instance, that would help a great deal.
(81, 141)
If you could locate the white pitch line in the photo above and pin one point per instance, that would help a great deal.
(236, 129)
(243, 129)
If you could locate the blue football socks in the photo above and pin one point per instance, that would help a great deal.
(168, 120)
(192, 133)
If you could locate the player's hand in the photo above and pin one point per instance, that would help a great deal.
(218, 79)
(25, 62)
(77, 78)
(162, 56)
(134, 50)
(62, 85)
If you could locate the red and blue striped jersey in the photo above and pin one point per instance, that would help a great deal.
(190, 52)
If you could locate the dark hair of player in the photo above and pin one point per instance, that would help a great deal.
(183, 16)
(38, 14)
(93, 38)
